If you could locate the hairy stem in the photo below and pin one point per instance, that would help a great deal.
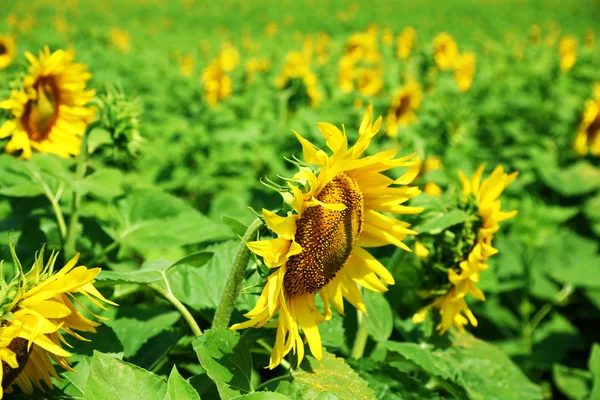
(235, 279)
(360, 341)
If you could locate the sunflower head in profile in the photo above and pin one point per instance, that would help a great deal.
(406, 42)
(8, 50)
(217, 84)
(339, 205)
(467, 254)
(464, 71)
(588, 134)
(38, 309)
(405, 102)
(445, 51)
(567, 51)
(50, 113)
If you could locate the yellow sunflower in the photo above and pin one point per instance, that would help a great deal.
(484, 196)
(320, 245)
(217, 84)
(38, 309)
(120, 39)
(588, 134)
(405, 102)
(297, 67)
(567, 50)
(464, 70)
(8, 50)
(445, 51)
(50, 113)
(406, 42)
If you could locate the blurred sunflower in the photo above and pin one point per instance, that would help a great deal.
(255, 65)
(464, 70)
(406, 42)
(482, 197)
(405, 102)
(445, 51)
(589, 39)
(297, 71)
(217, 84)
(120, 39)
(229, 57)
(8, 50)
(50, 113)
(567, 50)
(431, 164)
(588, 134)
(320, 244)
(38, 308)
(368, 81)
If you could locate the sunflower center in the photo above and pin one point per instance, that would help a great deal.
(327, 237)
(3, 49)
(19, 347)
(594, 129)
(403, 107)
(41, 113)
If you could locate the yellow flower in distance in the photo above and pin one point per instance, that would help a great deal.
(406, 42)
(588, 134)
(445, 51)
(405, 102)
(464, 70)
(567, 50)
(8, 50)
(320, 246)
(589, 38)
(229, 57)
(120, 39)
(255, 65)
(485, 196)
(39, 308)
(50, 114)
(217, 84)
(368, 81)
(297, 67)
(271, 29)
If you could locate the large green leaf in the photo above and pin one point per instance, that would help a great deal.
(483, 370)
(152, 219)
(572, 382)
(389, 383)
(594, 366)
(574, 180)
(179, 389)
(111, 378)
(435, 225)
(227, 361)
(380, 321)
(330, 378)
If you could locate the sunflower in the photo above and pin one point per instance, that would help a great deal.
(297, 70)
(567, 50)
(229, 57)
(217, 84)
(589, 38)
(120, 39)
(445, 51)
(50, 113)
(255, 65)
(401, 113)
(320, 244)
(38, 309)
(483, 196)
(406, 42)
(588, 134)
(464, 69)
(8, 50)
(369, 81)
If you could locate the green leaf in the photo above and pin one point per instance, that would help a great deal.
(116, 379)
(380, 321)
(236, 226)
(594, 366)
(153, 219)
(105, 183)
(437, 224)
(153, 271)
(389, 383)
(330, 378)
(262, 396)
(572, 382)
(97, 138)
(575, 180)
(227, 361)
(179, 389)
(483, 370)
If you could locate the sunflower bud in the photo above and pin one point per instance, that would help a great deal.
(118, 122)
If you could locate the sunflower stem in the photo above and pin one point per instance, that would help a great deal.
(360, 341)
(189, 318)
(80, 171)
(236, 278)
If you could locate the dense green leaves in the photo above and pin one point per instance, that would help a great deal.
(227, 360)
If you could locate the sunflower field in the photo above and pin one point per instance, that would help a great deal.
(300, 199)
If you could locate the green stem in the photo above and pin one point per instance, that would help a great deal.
(54, 198)
(284, 363)
(80, 171)
(235, 279)
(189, 318)
(360, 341)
